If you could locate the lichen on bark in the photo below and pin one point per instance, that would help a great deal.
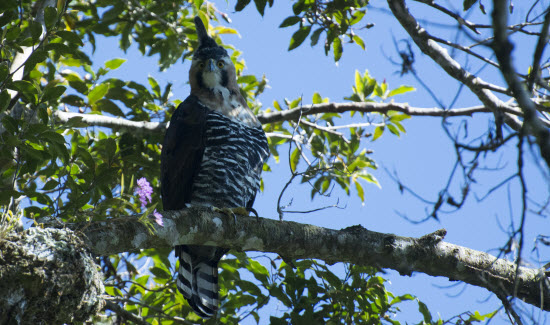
(47, 276)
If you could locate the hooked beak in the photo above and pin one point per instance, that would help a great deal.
(210, 66)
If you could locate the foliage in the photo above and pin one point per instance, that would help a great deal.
(70, 172)
(336, 19)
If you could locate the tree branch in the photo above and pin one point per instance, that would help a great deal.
(118, 123)
(20, 58)
(115, 123)
(437, 53)
(503, 50)
(428, 254)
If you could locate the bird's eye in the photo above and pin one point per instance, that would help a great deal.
(201, 65)
(221, 64)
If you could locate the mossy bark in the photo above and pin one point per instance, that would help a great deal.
(47, 276)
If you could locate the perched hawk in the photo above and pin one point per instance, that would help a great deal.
(212, 155)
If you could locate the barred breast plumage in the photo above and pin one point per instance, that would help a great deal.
(233, 158)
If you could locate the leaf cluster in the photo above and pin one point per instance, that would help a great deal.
(336, 20)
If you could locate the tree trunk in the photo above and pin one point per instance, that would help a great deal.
(47, 276)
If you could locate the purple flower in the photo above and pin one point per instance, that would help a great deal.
(158, 218)
(144, 190)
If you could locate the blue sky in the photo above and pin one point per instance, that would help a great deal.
(423, 157)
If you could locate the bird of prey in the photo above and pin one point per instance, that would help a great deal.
(212, 155)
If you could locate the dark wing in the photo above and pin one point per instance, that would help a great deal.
(182, 153)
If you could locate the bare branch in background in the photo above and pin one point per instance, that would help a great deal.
(440, 55)
(503, 50)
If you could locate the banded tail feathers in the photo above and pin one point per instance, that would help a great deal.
(197, 278)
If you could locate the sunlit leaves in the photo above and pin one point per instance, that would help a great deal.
(114, 63)
(400, 90)
(337, 48)
(368, 89)
(97, 93)
(338, 19)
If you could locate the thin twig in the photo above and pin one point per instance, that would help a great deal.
(541, 44)
(446, 11)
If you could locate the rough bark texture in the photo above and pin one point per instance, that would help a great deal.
(47, 276)
(428, 254)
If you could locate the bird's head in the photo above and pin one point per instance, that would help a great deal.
(211, 67)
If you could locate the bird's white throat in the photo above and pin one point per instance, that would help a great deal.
(211, 79)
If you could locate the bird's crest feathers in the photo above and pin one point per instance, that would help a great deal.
(205, 41)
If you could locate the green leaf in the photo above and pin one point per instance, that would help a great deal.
(86, 157)
(241, 4)
(398, 117)
(258, 270)
(359, 41)
(108, 106)
(315, 36)
(298, 37)
(110, 147)
(114, 63)
(468, 4)
(423, 309)
(5, 99)
(294, 159)
(478, 317)
(247, 79)
(36, 30)
(154, 85)
(69, 37)
(401, 90)
(278, 293)
(289, 21)
(378, 132)
(399, 299)
(337, 49)
(9, 123)
(160, 272)
(360, 191)
(53, 93)
(53, 137)
(97, 93)
(50, 17)
(260, 6)
(50, 185)
(298, 7)
(27, 89)
(4, 71)
(317, 99)
(13, 33)
(356, 17)
(393, 129)
(36, 57)
(6, 195)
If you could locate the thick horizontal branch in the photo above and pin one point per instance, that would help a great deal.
(273, 117)
(428, 254)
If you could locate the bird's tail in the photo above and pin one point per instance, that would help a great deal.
(197, 280)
